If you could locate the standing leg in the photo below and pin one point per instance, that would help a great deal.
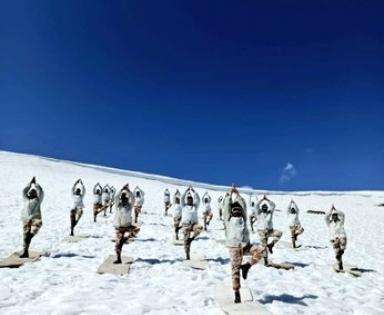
(263, 236)
(210, 216)
(119, 244)
(236, 256)
(27, 237)
(187, 240)
(73, 220)
(176, 224)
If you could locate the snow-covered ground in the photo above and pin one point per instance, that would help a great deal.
(66, 281)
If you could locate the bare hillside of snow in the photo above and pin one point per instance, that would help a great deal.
(66, 281)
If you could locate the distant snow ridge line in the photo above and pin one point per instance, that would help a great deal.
(181, 182)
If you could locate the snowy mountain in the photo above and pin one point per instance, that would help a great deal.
(66, 282)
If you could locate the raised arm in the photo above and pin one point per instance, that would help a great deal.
(183, 202)
(196, 199)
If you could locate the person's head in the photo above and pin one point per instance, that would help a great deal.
(334, 217)
(206, 200)
(32, 193)
(98, 191)
(264, 207)
(177, 200)
(78, 191)
(293, 210)
(189, 200)
(138, 194)
(252, 204)
(236, 209)
(124, 197)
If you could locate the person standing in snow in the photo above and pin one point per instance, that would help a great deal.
(252, 212)
(294, 222)
(139, 201)
(167, 201)
(106, 198)
(122, 222)
(237, 238)
(78, 192)
(219, 206)
(112, 197)
(265, 209)
(97, 203)
(335, 221)
(177, 213)
(31, 219)
(190, 202)
(207, 213)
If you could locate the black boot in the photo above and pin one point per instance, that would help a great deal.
(244, 270)
(340, 260)
(118, 260)
(177, 236)
(266, 262)
(294, 242)
(71, 232)
(237, 297)
(270, 246)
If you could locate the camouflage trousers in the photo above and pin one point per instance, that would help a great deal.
(137, 212)
(105, 207)
(177, 226)
(190, 231)
(265, 234)
(131, 230)
(167, 205)
(296, 230)
(339, 245)
(97, 208)
(207, 217)
(236, 255)
(75, 216)
(30, 229)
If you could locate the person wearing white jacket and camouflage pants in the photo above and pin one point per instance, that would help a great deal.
(106, 199)
(177, 213)
(31, 219)
(139, 201)
(265, 209)
(189, 218)
(237, 238)
(97, 203)
(112, 197)
(78, 192)
(167, 201)
(294, 222)
(123, 220)
(335, 221)
(207, 213)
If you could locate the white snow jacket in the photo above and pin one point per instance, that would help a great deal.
(237, 233)
(106, 195)
(113, 194)
(176, 208)
(207, 203)
(78, 199)
(336, 229)
(31, 209)
(123, 212)
(265, 219)
(139, 197)
(97, 191)
(189, 214)
(293, 218)
(167, 196)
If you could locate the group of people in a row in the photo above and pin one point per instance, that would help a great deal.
(232, 211)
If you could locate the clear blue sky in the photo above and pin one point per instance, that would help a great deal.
(214, 91)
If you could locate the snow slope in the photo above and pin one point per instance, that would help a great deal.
(66, 282)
